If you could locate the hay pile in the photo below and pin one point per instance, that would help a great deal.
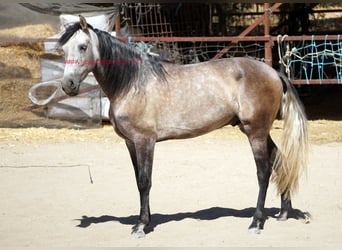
(21, 60)
(19, 71)
(29, 31)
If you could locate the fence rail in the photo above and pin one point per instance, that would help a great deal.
(5, 41)
(15, 40)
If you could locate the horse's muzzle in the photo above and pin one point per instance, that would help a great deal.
(70, 87)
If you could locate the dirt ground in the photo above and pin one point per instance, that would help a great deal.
(62, 187)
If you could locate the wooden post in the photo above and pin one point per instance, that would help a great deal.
(117, 25)
(268, 43)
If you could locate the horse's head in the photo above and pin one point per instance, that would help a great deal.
(81, 55)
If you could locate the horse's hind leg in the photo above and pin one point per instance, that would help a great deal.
(264, 151)
(286, 204)
(286, 208)
(286, 211)
(141, 152)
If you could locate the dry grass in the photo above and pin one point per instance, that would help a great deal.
(19, 70)
(21, 60)
(320, 132)
(29, 31)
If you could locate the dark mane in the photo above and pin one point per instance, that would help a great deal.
(69, 32)
(121, 65)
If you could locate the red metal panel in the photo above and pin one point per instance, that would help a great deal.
(315, 81)
(308, 38)
(249, 29)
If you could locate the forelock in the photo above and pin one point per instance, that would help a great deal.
(69, 32)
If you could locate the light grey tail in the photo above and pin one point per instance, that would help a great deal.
(291, 158)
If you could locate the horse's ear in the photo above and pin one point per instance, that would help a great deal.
(83, 23)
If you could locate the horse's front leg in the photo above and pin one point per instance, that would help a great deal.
(141, 152)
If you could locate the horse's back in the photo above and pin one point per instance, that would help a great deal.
(230, 79)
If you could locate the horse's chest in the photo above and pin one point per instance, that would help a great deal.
(131, 117)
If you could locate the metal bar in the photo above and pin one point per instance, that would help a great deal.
(158, 22)
(117, 25)
(248, 30)
(309, 37)
(195, 39)
(17, 40)
(260, 19)
(257, 13)
(268, 44)
(316, 81)
(167, 31)
(149, 27)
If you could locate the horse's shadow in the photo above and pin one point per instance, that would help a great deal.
(205, 214)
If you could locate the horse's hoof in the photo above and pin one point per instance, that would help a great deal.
(307, 218)
(254, 230)
(256, 226)
(282, 216)
(138, 232)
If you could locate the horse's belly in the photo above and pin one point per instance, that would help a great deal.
(192, 121)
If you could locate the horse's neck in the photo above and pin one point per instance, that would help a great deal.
(122, 67)
(102, 80)
(106, 82)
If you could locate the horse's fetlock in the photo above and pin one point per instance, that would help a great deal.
(259, 216)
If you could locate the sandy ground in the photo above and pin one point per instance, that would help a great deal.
(204, 192)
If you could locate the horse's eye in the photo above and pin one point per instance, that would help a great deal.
(83, 47)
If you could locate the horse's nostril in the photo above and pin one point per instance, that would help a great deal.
(72, 84)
